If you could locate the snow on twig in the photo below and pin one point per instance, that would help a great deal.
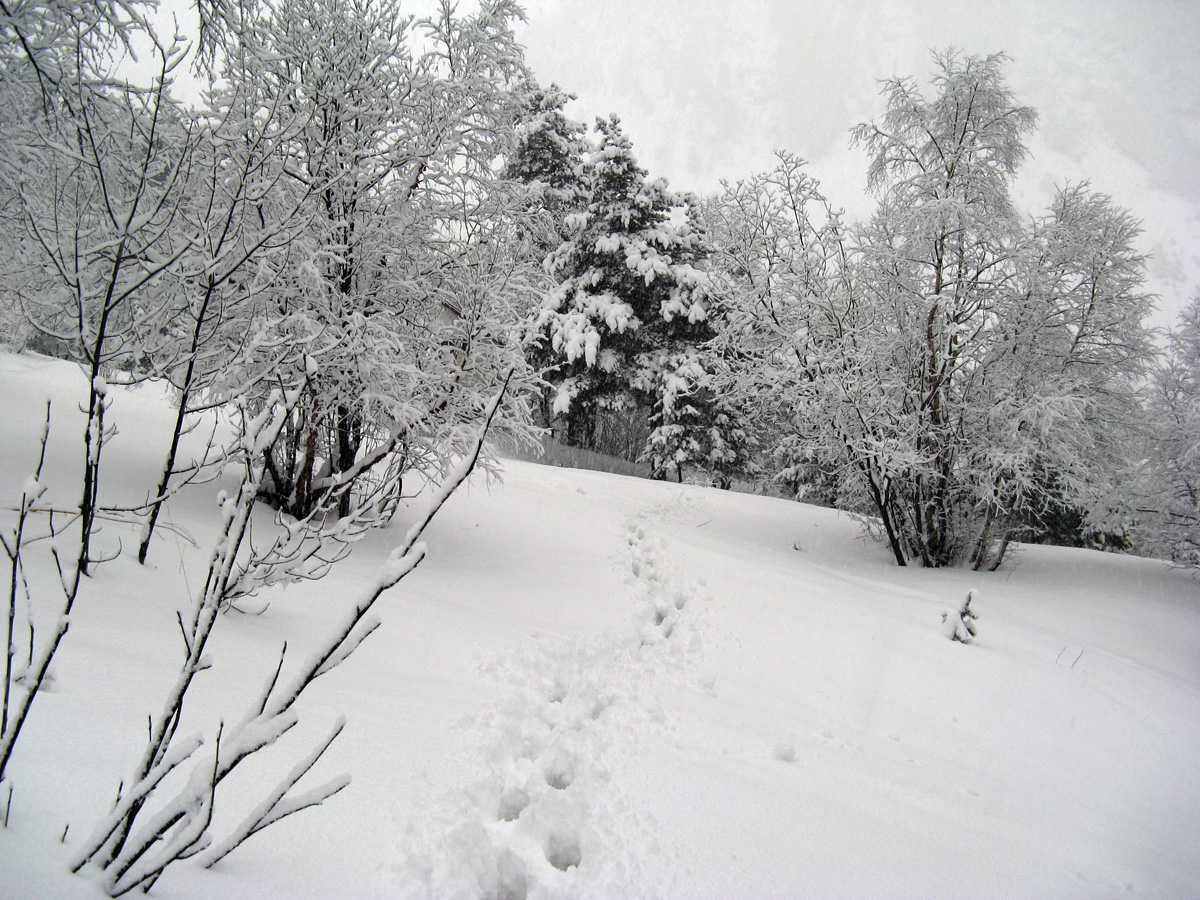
(278, 805)
(136, 858)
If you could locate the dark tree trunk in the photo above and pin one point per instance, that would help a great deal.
(349, 439)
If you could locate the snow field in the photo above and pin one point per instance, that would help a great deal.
(598, 686)
(547, 819)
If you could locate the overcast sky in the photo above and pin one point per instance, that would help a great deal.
(708, 89)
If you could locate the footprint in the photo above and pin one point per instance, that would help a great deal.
(559, 769)
(784, 751)
(512, 804)
(562, 851)
(556, 691)
(512, 883)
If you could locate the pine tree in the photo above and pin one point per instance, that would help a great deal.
(548, 148)
(624, 326)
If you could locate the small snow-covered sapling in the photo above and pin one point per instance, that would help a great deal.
(960, 626)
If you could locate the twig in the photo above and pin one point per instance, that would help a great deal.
(180, 829)
(187, 644)
(175, 529)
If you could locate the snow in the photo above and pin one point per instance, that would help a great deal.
(598, 686)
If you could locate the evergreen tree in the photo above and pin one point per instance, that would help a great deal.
(959, 625)
(548, 148)
(624, 327)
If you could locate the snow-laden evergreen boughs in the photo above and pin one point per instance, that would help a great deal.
(548, 148)
(626, 324)
(693, 426)
(626, 279)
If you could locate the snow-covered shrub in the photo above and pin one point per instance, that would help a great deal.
(960, 625)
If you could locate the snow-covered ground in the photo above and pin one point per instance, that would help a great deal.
(597, 686)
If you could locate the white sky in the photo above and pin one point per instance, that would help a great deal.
(708, 89)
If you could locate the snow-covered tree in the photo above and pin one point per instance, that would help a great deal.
(402, 119)
(951, 371)
(228, 336)
(625, 324)
(97, 170)
(1013, 351)
(1171, 492)
(547, 157)
(322, 248)
(1061, 383)
(783, 262)
(937, 261)
(959, 625)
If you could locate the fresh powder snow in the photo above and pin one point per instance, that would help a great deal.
(599, 686)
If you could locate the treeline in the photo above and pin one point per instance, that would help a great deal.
(379, 218)
(959, 374)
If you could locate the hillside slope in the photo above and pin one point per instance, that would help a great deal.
(599, 686)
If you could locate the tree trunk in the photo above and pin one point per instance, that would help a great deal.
(1001, 550)
(979, 554)
(349, 439)
(581, 428)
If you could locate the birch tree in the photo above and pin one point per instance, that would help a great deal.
(939, 257)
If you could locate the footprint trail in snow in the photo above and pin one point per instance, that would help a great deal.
(547, 816)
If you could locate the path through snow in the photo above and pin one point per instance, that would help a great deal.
(543, 813)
